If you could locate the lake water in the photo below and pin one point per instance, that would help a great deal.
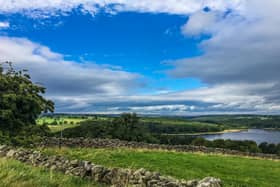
(257, 135)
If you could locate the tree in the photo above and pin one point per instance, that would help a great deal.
(128, 127)
(21, 100)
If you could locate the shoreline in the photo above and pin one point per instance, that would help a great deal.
(209, 133)
(272, 129)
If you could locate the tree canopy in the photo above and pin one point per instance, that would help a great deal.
(21, 100)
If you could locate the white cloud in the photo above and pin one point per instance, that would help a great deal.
(4, 25)
(226, 98)
(199, 23)
(242, 53)
(43, 8)
(89, 87)
(160, 108)
(65, 78)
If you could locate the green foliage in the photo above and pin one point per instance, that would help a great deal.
(234, 171)
(270, 148)
(164, 125)
(125, 127)
(21, 101)
(239, 145)
(26, 137)
(242, 121)
(174, 139)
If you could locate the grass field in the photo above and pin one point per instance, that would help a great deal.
(58, 123)
(175, 121)
(16, 174)
(62, 122)
(60, 119)
(58, 128)
(234, 171)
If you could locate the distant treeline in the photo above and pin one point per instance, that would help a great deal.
(160, 128)
(128, 127)
(246, 121)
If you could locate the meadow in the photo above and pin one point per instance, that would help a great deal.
(58, 123)
(56, 120)
(234, 171)
(14, 174)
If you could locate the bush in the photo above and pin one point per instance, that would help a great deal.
(26, 137)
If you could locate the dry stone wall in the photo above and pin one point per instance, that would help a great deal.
(117, 177)
(115, 143)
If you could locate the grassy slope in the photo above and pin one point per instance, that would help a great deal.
(16, 174)
(234, 171)
(175, 121)
(58, 128)
(49, 120)
(162, 121)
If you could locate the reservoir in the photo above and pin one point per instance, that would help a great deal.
(257, 135)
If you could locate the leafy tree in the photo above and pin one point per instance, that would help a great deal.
(126, 127)
(199, 141)
(21, 100)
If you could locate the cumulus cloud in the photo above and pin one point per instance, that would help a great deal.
(199, 23)
(243, 50)
(65, 78)
(43, 9)
(206, 100)
(88, 87)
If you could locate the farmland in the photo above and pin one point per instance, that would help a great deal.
(233, 170)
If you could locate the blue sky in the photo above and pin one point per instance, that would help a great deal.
(165, 57)
(135, 42)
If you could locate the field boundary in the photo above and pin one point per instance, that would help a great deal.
(117, 177)
(115, 143)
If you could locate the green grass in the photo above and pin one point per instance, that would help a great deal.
(62, 122)
(16, 174)
(50, 120)
(234, 171)
(65, 122)
(58, 128)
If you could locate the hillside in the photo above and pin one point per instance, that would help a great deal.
(233, 170)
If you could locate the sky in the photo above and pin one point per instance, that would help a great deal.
(162, 57)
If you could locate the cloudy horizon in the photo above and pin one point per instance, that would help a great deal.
(186, 57)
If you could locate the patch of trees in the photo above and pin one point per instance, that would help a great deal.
(239, 145)
(160, 128)
(126, 127)
(240, 121)
(244, 145)
(174, 139)
(21, 102)
(270, 148)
